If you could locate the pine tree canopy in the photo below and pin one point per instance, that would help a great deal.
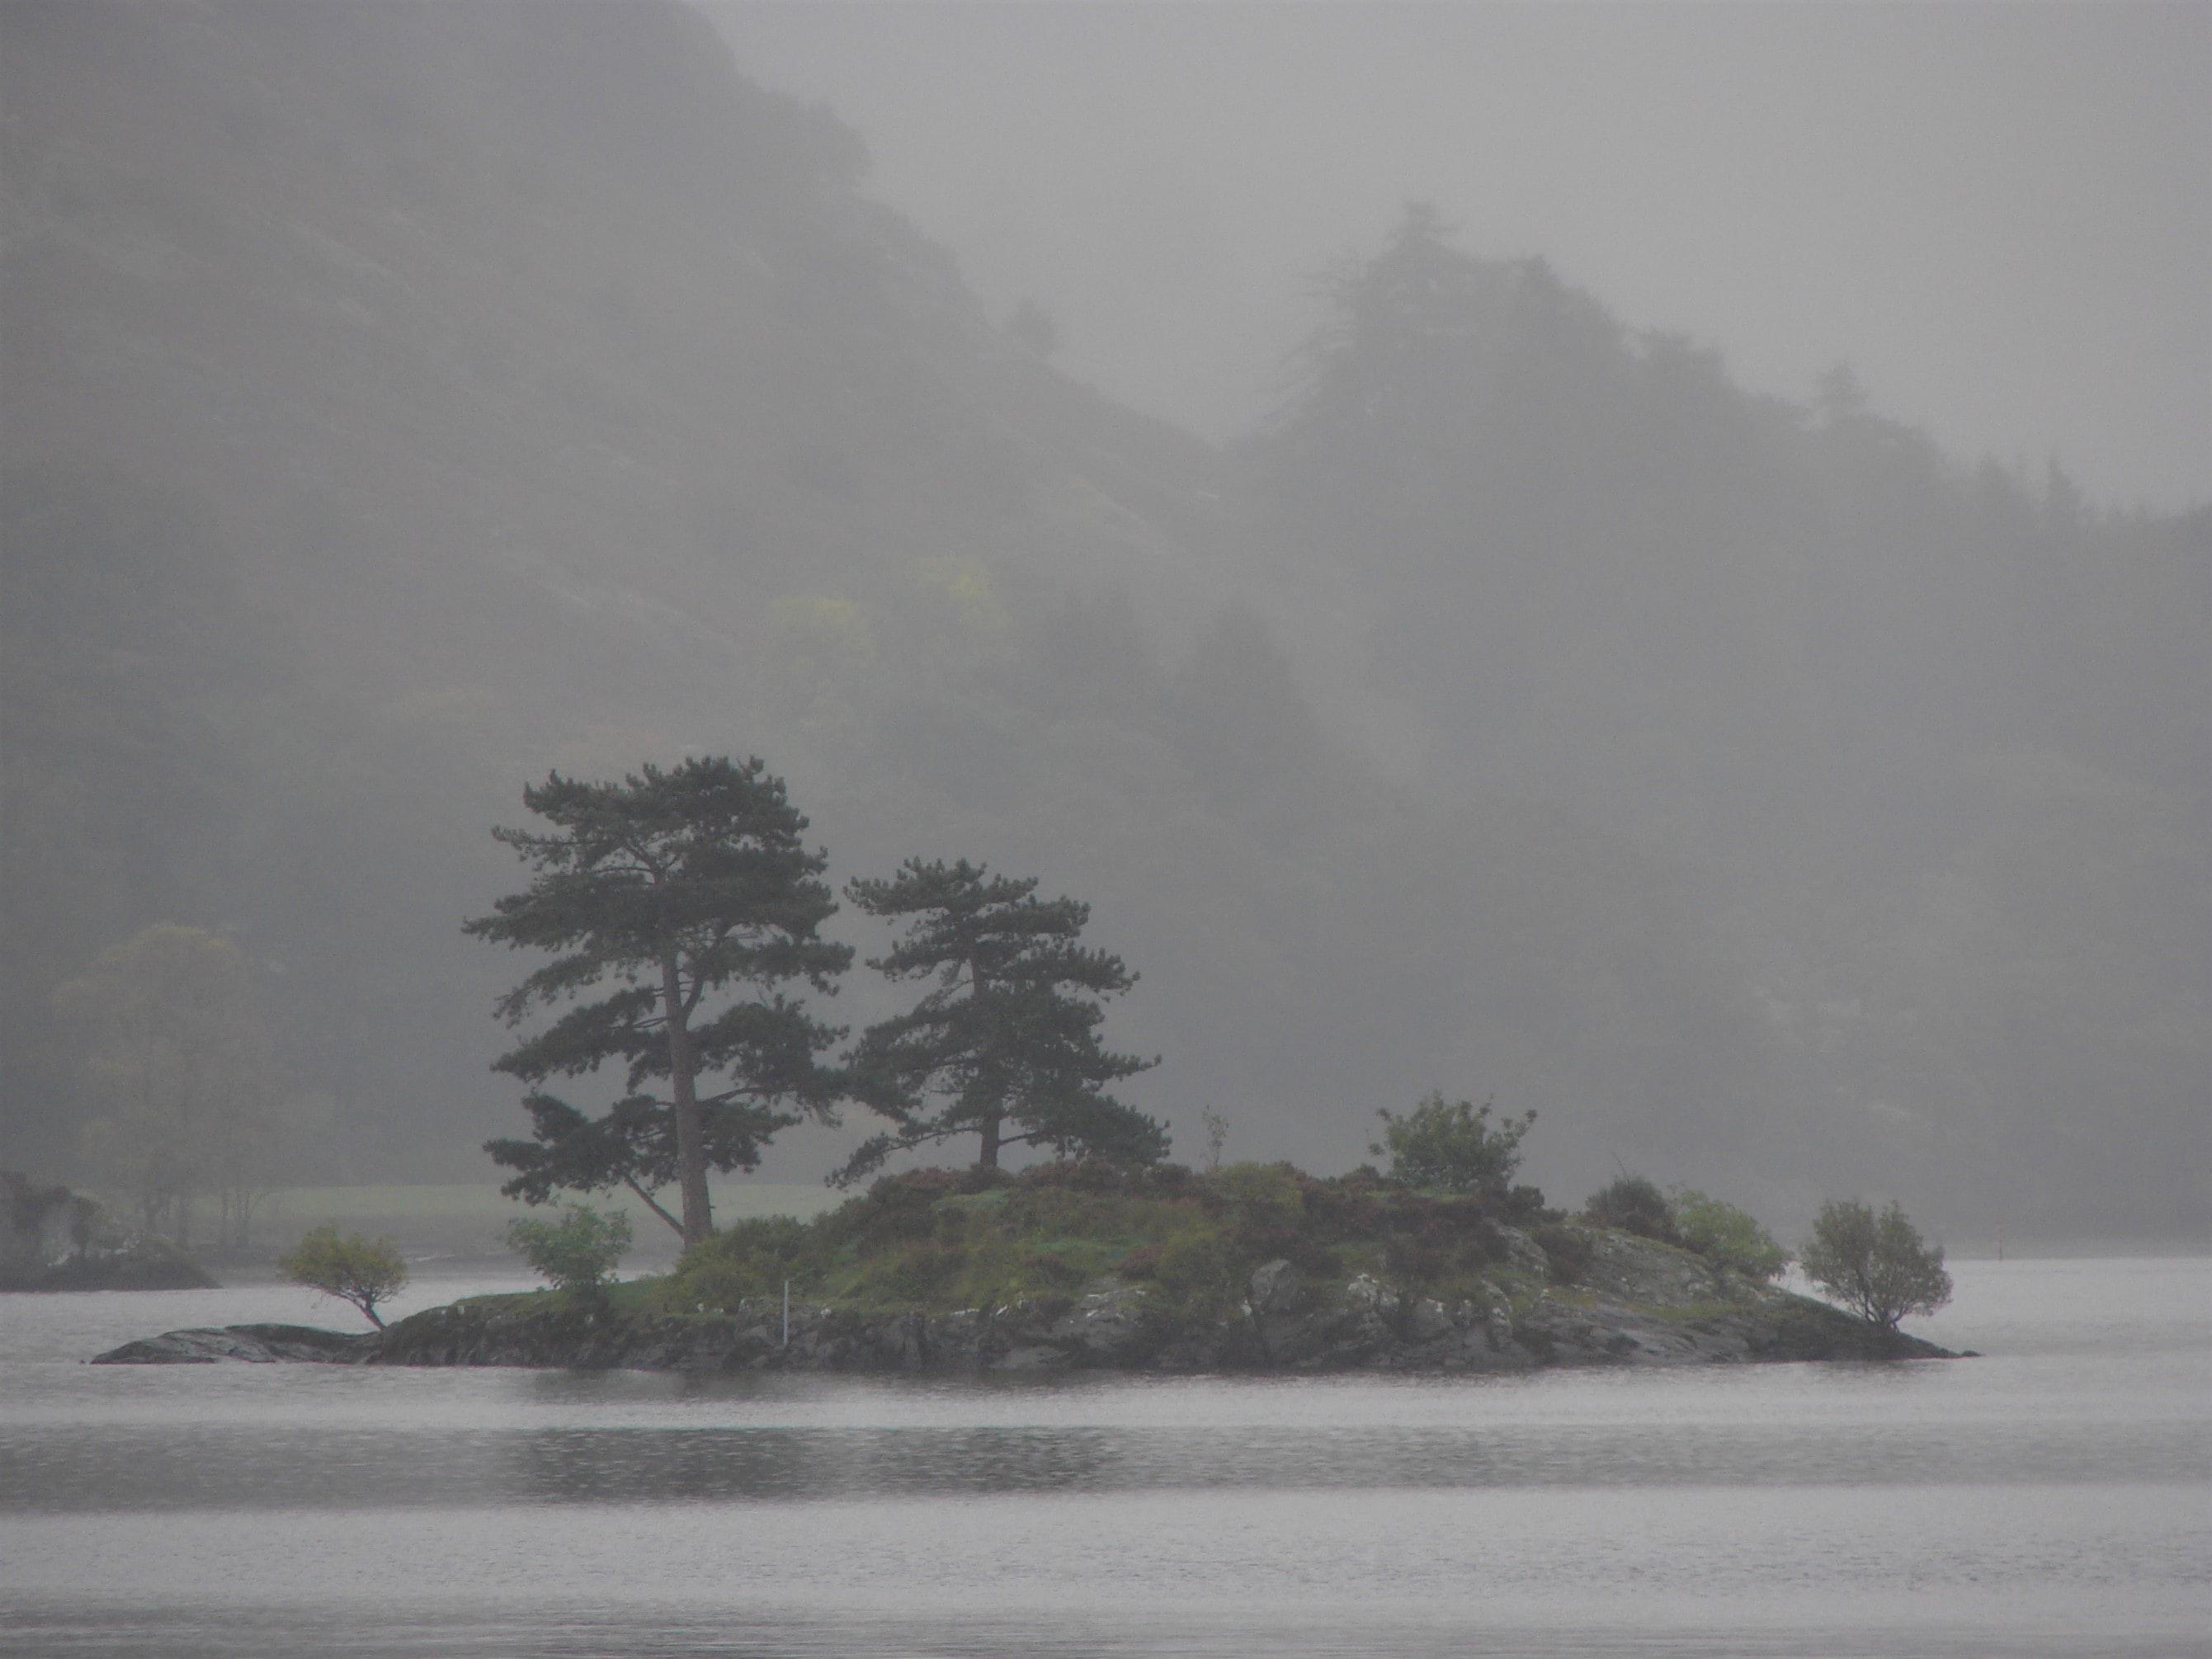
(674, 905)
(1005, 1045)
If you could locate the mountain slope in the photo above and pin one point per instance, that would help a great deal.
(405, 399)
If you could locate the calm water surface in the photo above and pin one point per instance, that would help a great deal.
(2053, 1498)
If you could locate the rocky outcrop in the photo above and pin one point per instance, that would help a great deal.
(1639, 1304)
(257, 1344)
(1102, 1329)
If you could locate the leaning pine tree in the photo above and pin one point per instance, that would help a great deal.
(676, 904)
(1005, 1047)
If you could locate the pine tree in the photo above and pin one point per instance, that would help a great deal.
(1007, 1046)
(663, 897)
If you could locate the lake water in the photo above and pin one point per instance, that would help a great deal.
(2053, 1498)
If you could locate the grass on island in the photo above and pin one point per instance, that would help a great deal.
(943, 1240)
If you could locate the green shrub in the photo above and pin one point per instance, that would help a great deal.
(1143, 1262)
(361, 1271)
(1199, 1272)
(1567, 1251)
(1439, 1246)
(1452, 1146)
(923, 1274)
(1057, 1273)
(896, 1209)
(1725, 1236)
(1413, 1262)
(1524, 1206)
(745, 1260)
(1634, 1206)
(578, 1253)
(1256, 1198)
(1107, 1175)
(1349, 1210)
(1061, 1213)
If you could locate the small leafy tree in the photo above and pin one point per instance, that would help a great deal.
(361, 1271)
(1726, 1236)
(578, 1253)
(1216, 1135)
(1877, 1266)
(1635, 1205)
(1452, 1146)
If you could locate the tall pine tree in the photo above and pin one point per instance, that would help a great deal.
(1006, 1047)
(676, 904)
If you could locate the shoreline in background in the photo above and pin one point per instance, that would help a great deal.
(468, 1220)
(398, 1208)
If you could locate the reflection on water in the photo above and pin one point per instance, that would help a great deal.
(145, 1468)
(2051, 1499)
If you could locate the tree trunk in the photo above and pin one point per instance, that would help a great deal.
(988, 1158)
(653, 1204)
(690, 1130)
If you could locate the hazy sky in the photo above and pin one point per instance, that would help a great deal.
(2000, 215)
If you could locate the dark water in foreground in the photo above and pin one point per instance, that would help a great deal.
(2053, 1498)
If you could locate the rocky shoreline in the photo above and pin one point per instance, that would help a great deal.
(1639, 1305)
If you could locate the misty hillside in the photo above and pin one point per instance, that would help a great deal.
(405, 399)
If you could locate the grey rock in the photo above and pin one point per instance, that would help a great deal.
(254, 1345)
(1524, 1254)
(1276, 1288)
(1104, 1328)
(1364, 1290)
(1426, 1321)
(1632, 1269)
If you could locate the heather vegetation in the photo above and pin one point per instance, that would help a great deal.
(942, 1239)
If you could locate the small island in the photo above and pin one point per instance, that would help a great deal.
(1083, 1265)
(52, 1238)
(681, 911)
